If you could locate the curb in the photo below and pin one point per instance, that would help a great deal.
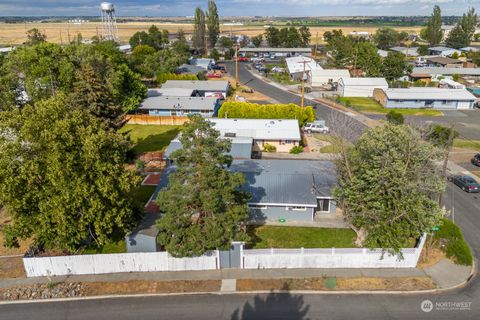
(471, 276)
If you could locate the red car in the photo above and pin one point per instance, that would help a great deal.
(243, 59)
(213, 75)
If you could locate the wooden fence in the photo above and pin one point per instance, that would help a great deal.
(155, 120)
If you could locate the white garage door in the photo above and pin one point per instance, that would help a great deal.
(463, 105)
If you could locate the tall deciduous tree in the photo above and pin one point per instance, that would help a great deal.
(367, 59)
(199, 31)
(213, 24)
(387, 182)
(433, 31)
(395, 66)
(203, 207)
(257, 40)
(35, 36)
(339, 47)
(305, 35)
(62, 176)
(386, 38)
(462, 34)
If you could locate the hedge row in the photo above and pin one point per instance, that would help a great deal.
(456, 246)
(246, 110)
(163, 77)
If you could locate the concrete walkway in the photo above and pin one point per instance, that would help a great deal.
(447, 274)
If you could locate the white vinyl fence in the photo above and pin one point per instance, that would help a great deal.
(116, 263)
(330, 258)
(250, 259)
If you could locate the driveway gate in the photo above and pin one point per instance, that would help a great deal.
(231, 258)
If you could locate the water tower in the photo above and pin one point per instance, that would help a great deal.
(109, 22)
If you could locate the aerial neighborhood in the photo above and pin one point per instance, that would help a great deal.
(243, 144)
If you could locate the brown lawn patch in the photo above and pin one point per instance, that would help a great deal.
(280, 284)
(11, 268)
(434, 256)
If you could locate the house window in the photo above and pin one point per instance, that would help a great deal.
(257, 206)
(296, 208)
(288, 141)
(323, 205)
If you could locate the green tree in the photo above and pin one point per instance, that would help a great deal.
(272, 35)
(75, 189)
(158, 39)
(213, 24)
(214, 54)
(340, 48)
(423, 50)
(257, 40)
(367, 58)
(199, 31)
(35, 36)
(440, 135)
(388, 205)
(395, 117)
(203, 207)
(433, 31)
(226, 43)
(386, 38)
(462, 34)
(305, 35)
(140, 38)
(395, 66)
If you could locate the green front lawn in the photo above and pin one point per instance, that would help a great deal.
(112, 247)
(298, 237)
(369, 105)
(148, 138)
(334, 147)
(467, 144)
(142, 194)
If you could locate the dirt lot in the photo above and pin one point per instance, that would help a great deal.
(11, 268)
(11, 34)
(395, 284)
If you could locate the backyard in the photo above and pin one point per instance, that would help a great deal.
(467, 144)
(298, 237)
(150, 138)
(368, 105)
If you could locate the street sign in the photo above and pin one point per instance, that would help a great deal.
(282, 220)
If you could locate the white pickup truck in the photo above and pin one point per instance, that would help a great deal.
(315, 127)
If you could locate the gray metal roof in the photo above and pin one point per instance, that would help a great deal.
(440, 48)
(241, 147)
(412, 51)
(443, 60)
(170, 92)
(259, 129)
(448, 71)
(190, 69)
(429, 94)
(299, 50)
(178, 103)
(209, 85)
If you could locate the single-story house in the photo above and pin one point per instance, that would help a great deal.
(470, 49)
(445, 62)
(420, 77)
(360, 34)
(179, 106)
(319, 77)
(360, 87)
(299, 65)
(204, 63)
(439, 71)
(203, 88)
(449, 83)
(284, 134)
(277, 52)
(436, 98)
(285, 190)
(409, 52)
(189, 69)
(443, 51)
(172, 92)
(241, 147)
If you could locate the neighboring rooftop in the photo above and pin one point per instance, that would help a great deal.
(190, 69)
(364, 81)
(411, 52)
(447, 71)
(443, 60)
(428, 94)
(331, 72)
(241, 147)
(258, 129)
(199, 85)
(440, 48)
(300, 64)
(170, 92)
(291, 50)
(179, 103)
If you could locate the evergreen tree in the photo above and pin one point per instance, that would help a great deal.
(213, 24)
(199, 31)
(257, 40)
(433, 32)
(367, 59)
(203, 207)
(462, 34)
(305, 35)
(395, 66)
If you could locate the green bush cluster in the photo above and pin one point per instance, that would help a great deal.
(269, 148)
(456, 246)
(296, 150)
(163, 77)
(246, 110)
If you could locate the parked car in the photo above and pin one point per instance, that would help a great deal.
(278, 70)
(258, 66)
(316, 127)
(243, 59)
(476, 160)
(213, 75)
(217, 67)
(466, 183)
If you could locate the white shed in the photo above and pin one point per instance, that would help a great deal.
(320, 77)
(360, 87)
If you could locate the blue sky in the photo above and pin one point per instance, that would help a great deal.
(239, 7)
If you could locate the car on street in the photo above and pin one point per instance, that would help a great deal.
(476, 160)
(217, 67)
(466, 183)
(242, 59)
(213, 75)
(315, 127)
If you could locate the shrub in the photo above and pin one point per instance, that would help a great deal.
(296, 150)
(139, 165)
(456, 247)
(395, 117)
(269, 148)
(164, 77)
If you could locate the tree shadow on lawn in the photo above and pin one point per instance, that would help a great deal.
(273, 306)
(155, 142)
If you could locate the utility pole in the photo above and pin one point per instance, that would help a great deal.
(316, 46)
(303, 83)
(206, 45)
(236, 66)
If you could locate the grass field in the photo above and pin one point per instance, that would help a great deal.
(369, 105)
(149, 138)
(332, 148)
(298, 237)
(467, 144)
(14, 34)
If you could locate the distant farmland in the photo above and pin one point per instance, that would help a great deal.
(14, 34)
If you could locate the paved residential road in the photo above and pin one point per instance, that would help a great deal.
(279, 306)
